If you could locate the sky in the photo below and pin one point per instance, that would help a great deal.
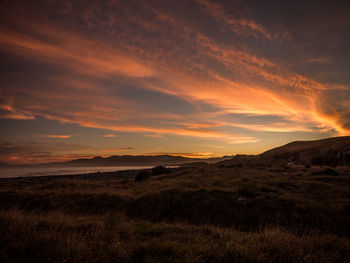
(196, 78)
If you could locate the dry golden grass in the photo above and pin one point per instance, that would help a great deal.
(58, 237)
(213, 214)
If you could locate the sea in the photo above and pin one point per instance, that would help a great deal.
(48, 171)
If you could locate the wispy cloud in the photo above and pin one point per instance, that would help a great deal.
(34, 152)
(238, 24)
(116, 149)
(240, 140)
(109, 135)
(317, 60)
(55, 136)
(161, 136)
(7, 111)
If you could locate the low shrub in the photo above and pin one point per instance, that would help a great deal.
(158, 170)
(141, 176)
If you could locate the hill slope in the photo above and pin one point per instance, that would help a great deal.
(330, 151)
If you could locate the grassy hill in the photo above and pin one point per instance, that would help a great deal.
(331, 151)
(214, 213)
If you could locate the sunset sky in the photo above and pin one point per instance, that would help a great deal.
(197, 78)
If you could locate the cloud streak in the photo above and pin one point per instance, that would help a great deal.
(109, 136)
(55, 136)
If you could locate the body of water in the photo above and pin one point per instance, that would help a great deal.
(35, 171)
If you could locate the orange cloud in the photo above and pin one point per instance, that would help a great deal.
(115, 150)
(84, 55)
(11, 113)
(55, 136)
(109, 136)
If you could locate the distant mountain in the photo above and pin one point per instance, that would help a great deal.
(129, 160)
(135, 160)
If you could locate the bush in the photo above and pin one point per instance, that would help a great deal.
(158, 170)
(141, 176)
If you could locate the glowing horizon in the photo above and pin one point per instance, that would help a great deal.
(198, 77)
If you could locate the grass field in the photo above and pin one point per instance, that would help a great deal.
(207, 214)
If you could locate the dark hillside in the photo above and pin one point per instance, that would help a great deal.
(332, 152)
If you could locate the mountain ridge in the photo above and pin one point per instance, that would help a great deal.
(328, 151)
(125, 160)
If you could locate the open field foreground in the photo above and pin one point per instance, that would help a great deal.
(216, 213)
